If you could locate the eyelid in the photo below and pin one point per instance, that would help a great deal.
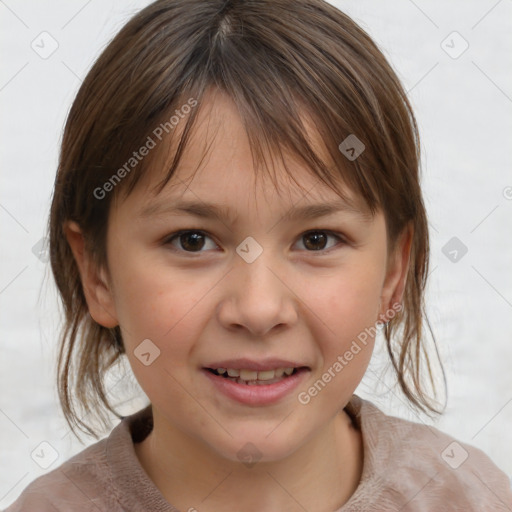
(342, 239)
(340, 236)
(176, 234)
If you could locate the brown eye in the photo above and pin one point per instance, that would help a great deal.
(194, 241)
(191, 241)
(317, 240)
(188, 241)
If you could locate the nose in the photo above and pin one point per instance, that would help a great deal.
(257, 298)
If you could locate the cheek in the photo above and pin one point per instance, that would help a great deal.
(346, 306)
(167, 309)
(158, 304)
(347, 302)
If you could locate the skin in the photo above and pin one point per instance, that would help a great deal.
(199, 306)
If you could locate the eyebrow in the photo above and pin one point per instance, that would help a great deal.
(222, 212)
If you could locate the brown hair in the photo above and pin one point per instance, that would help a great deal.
(276, 59)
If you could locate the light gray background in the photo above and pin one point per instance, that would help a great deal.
(464, 109)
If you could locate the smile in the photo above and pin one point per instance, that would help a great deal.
(255, 388)
(253, 377)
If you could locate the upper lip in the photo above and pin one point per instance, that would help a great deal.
(251, 364)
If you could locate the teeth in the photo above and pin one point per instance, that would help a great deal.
(248, 375)
(266, 375)
(252, 375)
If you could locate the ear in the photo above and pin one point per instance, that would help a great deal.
(396, 273)
(97, 291)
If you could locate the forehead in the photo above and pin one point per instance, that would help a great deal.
(217, 167)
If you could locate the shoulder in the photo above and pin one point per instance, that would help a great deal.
(73, 486)
(422, 468)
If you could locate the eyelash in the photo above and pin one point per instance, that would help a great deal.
(170, 238)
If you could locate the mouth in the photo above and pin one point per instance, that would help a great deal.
(260, 387)
(255, 382)
(250, 377)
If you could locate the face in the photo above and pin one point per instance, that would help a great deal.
(254, 290)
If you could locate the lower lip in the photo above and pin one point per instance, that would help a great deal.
(258, 394)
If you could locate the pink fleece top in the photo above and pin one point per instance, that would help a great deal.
(407, 467)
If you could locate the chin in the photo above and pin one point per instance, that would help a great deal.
(251, 449)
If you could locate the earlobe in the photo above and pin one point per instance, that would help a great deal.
(396, 274)
(97, 290)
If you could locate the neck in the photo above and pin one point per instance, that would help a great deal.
(327, 467)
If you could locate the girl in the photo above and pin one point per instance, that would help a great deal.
(246, 302)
